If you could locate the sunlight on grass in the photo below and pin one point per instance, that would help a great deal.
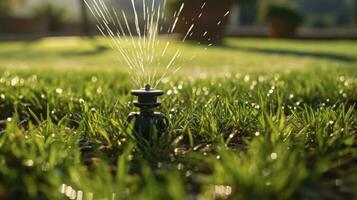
(254, 119)
(237, 55)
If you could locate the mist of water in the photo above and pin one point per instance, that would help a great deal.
(148, 58)
(139, 46)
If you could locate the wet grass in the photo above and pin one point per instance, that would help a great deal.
(279, 133)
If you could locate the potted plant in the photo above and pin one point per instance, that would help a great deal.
(208, 16)
(283, 19)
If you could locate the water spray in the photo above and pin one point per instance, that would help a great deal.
(147, 120)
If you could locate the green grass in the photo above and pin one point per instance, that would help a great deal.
(255, 119)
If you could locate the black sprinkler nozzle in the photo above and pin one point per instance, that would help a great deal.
(147, 98)
(146, 120)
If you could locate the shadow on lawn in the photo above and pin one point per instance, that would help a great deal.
(27, 51)
(288, 52)
(99, 49)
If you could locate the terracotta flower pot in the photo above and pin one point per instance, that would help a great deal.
(281, 28)
(209, 22)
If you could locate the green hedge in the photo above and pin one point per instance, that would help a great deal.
(281, 11)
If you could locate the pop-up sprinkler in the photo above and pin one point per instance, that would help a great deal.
(147, 120)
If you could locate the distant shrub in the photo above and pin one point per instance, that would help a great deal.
(207, 1)
(7, 7)
(55, 15)
(282, 12)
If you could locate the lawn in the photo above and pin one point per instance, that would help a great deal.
(252, 119)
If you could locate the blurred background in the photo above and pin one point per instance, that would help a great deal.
(325, 19)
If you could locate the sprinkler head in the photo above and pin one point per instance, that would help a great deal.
(147, 121)
(147, 97)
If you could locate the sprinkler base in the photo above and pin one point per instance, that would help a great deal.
(147, 122)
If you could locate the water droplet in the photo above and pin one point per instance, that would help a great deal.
(203, 5)
(59, 91)
(94, 79)
(33, 77)
(222, 191)
(273, 156)
(130, 157)
(63, 188)
(68, 191)
(246, 78)
(188, 173)
(231, 135)
(14, 81)
(79, 195)
(180, 166)
(99, 90)
(261, 78)
(29, 163)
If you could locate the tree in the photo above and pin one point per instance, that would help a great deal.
(7, 7)
(85, 24)
(355, 12)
